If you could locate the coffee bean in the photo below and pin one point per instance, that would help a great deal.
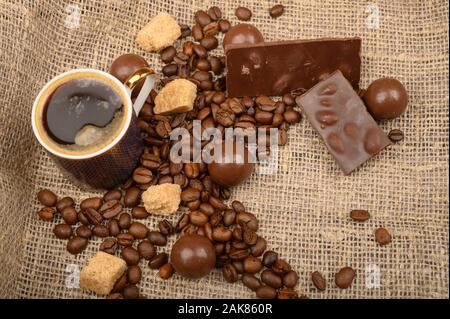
(163, 129)
(64, 202)
(94, 217)
(225, 118)
(62, 231)
(269, 258)
(252, 265)
(93, 203)
(134, 274)
(115, 295)
(269, 277)
(120, 284)
(277, 119)
(111, 209)
(165, 227)
(197, 218)
(150, 161)
(224, 25)
(238, 206)
(138, 230)
(114, 194)
(344, 277)
(83, 219)
(281, 266)
(156, 238)
(158, 260)
(47, 197)
(83, 231)
(142, 175)
(282, 137)
(175, 168)
(276, 11)
(221, 234)
(359, 215)
(100, 231)
(130, 292)
(191, 170)
(166, 271)
(46, 213)
(124, 221)
(202, 18)
(69, 215)
(266, 292)
(247, 219)
(249, 236)
(396, 135)
(125, 239)
(194, 205)
(229, 273)
(243, 13)
(109, 246)
(318, 280)
(258, 248)
(237, 234)
(113, 227)
(185, 31)
(229, 217)
(197, 32)
(291, 116)
(217, 203)
(214, 13)
(290, 279)
(182, 222)
(382, 236)
(200, 51)
(130, 255)
(168, 54)
(190, 194)
(239, 254)
(139, 212)
(132, 197)
(287, 293)
(76, 245)
(146, 249)
(210, 30)
(209, 42)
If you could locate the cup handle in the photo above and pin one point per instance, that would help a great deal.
(149, 83)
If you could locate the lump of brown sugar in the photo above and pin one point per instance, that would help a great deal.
(159, 33)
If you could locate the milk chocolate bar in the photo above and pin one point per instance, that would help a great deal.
(275, 68)
(340, 117)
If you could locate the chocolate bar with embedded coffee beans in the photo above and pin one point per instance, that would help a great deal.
(340, 117)
(275, 68)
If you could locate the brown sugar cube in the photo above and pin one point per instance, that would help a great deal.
(159, 33)
(162, 199)
(102, 272)
(176, 97)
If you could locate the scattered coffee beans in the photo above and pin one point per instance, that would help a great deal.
(318, 280)
(276, 11)
(396, 135)
(47, 197)
(359, 215)
(243, 13)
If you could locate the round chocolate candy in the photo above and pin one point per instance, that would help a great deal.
(242, 33)
(125, 65)
(193, 256)
(386, 98)
(231, 168)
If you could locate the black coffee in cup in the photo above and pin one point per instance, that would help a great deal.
(82, 113)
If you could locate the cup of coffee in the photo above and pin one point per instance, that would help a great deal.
(86, 121)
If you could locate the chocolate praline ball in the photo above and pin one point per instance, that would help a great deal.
(232, 168)
(193, 256)
(125, 65)
(242, 33)
(386, 98)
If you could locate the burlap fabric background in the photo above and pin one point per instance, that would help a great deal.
(304, 207)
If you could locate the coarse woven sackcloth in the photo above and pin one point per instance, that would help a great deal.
(304, 207)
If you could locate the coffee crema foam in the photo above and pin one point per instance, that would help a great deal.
(90, 139)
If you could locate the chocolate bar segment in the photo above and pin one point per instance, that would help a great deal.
(275, 68)
(340, 117)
